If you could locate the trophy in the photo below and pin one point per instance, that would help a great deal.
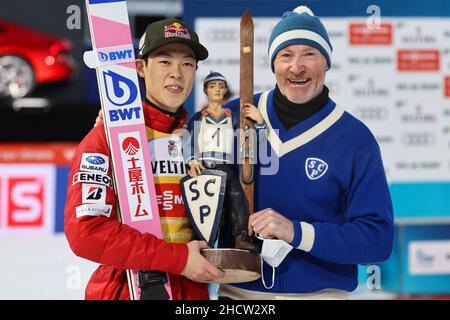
(204, 197)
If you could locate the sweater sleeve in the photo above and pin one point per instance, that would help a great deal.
(90, 218)
(366, 236)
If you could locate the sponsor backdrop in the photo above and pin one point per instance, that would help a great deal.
(392, 73)
(33, 185)
(390, 68)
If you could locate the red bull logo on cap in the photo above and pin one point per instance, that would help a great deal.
(176, 30)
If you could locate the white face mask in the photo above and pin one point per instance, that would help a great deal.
(273, 252)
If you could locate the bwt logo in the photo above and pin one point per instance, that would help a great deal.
(115, 55)
(121, 91)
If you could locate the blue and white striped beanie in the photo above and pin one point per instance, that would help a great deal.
(299, 27)
(212, 76)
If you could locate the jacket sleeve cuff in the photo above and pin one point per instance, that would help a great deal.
(180, 263)
(304, 236)
(297, 234)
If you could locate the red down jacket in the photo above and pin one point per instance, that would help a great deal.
(94, 232)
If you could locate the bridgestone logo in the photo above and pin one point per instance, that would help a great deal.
(92, 177)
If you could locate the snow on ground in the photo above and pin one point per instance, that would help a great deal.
(45, 268)
(41, 268)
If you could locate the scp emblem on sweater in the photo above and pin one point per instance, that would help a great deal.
(315, 168)
(135, 181)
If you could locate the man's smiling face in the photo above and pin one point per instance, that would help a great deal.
(169, 75)
(300, 72)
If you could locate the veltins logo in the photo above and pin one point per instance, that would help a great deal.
(315, 168)
(120, 90)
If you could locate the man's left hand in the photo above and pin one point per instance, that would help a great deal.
(270, 224)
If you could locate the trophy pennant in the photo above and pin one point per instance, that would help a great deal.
(203, 198)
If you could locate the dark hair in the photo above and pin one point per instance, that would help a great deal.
(227, 95)
(205, 84)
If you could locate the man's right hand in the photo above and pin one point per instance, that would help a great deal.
(99, 118)
(195, 168)
(197, 267)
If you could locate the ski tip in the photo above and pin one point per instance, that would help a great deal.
(246, 17)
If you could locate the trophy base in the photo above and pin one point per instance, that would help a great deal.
(239, 265)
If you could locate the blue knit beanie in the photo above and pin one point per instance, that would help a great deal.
(300, 27)
(213, 76)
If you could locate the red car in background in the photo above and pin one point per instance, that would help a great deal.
(29, 58)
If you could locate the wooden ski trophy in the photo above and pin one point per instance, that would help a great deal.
(204, 195)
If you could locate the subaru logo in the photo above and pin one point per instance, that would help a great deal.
(95, 160)
(315, 168)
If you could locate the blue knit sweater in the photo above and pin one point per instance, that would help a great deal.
(331, 183)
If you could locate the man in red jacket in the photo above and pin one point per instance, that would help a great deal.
(167, 62)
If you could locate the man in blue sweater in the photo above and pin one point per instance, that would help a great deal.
(329, 199)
